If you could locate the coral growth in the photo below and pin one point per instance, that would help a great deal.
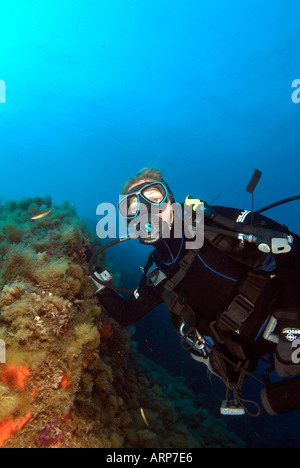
(73, 377)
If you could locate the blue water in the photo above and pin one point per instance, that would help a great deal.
(202, 90)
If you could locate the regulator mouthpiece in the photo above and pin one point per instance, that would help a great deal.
(149, 228)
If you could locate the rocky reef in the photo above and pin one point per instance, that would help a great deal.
(69, 375)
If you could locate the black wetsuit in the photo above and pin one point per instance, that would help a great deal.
(212, 282)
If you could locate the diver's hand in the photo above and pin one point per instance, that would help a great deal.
(103, 277)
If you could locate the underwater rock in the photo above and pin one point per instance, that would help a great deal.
(73, 377)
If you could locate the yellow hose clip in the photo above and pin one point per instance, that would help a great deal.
(194, 202)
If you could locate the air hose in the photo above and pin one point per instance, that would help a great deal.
(93, 261)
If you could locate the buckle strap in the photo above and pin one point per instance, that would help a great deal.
(187, 260)
(226, 322)
(238, 311)
(244, 303)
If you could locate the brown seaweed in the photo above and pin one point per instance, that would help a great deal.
(73, 377)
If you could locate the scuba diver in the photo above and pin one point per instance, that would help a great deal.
(234, 299)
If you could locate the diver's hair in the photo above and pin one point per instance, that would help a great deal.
(145, 175)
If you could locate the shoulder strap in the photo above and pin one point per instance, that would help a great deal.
(171, 297)
(168, 294)
(184, 265)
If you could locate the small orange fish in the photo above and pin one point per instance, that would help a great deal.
(41, 215)
(144, 418)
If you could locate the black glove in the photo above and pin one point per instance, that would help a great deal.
(288, 329)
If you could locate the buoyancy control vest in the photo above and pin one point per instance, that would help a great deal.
(230, 240)
(253, 247)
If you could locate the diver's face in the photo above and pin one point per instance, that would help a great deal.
(148, 201)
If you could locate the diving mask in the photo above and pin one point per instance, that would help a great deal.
(154, 193)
